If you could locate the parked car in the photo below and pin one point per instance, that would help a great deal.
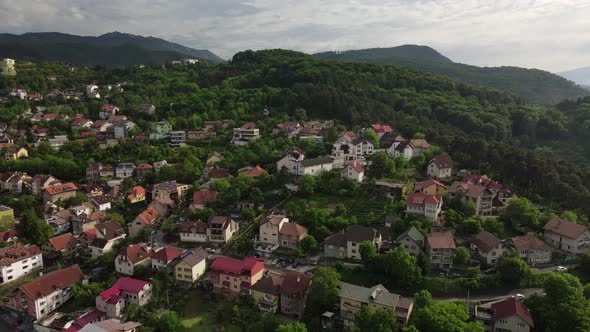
(490, 271)
(284, 263)
(276, 261)
(210, 250)
(561, 269)
(519, 296)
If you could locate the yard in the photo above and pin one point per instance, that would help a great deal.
(199, 314)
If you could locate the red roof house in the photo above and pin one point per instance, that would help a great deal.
(510, 308)
(232, 276)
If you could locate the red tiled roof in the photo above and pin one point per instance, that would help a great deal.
(466, 189)
(252, 171)
(126, 284)
(149, 216)
(166, 254)
(381, 128)
(8, 234)
(60, 188)
(217, 173)
(295, 285)
(108, 108)
(198, 226)
(63, 241)
(485, 241)
(419, 200)
(48, 283)
(527, 242)
(309, 131)
(234, 266)
(291, 228)
(441, 240)
(16, 252)
(204, 197)
(511, 307)
(90, 317)
(424, 184)
(144, 166)
(356, 165)
(248, 125)
(137, 252)
(565, 228)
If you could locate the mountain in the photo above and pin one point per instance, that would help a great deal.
(112, 49)
(579, 75)
(533, 85)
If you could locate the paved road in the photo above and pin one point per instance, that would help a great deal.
(552, 268)
(491, 297)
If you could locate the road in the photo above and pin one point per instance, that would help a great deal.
(492, 297)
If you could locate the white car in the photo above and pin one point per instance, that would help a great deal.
(561, 269)
(519, 296)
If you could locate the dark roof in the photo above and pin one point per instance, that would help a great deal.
(421, 185)
(485, 241)
(316, 161)
(565, 228)
(356, 233)
(267, 285)
(511, 307)
(527, 242)
(195, 257)
(442, 161)
(414, 234)
(295, 285)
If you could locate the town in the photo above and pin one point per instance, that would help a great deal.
(120, 213)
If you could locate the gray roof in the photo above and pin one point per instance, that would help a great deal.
(195, 257)
(414, 234)
(356, 233)
(377, 294)
(316, 161)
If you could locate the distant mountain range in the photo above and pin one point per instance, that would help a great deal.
(111, 49)
(580, 75)
(533, 85)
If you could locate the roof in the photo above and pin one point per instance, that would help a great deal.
(420, 143)
(356, 233)
(115, 325)
(168, 186)
(204, 196)
(295, 285)
(376, 294)
(511, 307)
(16, 252)
(166, 254)
(419, 200)
(8, 234)
(48, 283)
(218, 173)
(132, 285)
(195, 257)
(248, 125)
(565, 228)
(108, 108)
(137, 252)
(528, 242)
(251, 171)
(275, 219)
(144, 166)
(441, 240)
(61, 188)
(466, 189)
(381, 128)
(229, 265)
(291, 228)
(358, 167)
(424, 184)
(89, 317)
(316, 161)
(110, 229)
(63, 241)
(414, 234)
(193, 226)
(149, 216)
(222, 220)
(442, 161)
(485, 241)
(268, 285)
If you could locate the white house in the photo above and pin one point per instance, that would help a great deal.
(291, 161)
(133, 256)
(106, 111)
(102, 203)
(440, 167)
(245, 134)
(429, 206)
(314, 166)
(18, 260)
(351, 149)
(353, 170)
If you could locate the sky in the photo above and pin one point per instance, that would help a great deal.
(545, 34)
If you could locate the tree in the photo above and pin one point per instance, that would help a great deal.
(444, 317)
(469, 209)
(520, 212)
(34, 229)
(380, 320)
(309, 244)
(461, 256)
(323, 292)
(401, 268)
(512, 271)
(295, 327)
(168, 322)
(585, 263)
(422, 299)
(308, 185)
(368, 252)
(372, 137)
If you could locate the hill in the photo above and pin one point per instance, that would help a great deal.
(579, 75)
(533, 85)
(111, 49)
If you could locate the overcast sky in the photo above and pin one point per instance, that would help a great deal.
(547, 34)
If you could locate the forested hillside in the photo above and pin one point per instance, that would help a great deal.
(533, 85)
(486, 130)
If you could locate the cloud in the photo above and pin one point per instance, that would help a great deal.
(546, 34)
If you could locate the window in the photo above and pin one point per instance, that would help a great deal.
(353, 251)
(521, 325)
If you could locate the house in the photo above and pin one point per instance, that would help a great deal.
(124, 292)
(107, 235)
(147, 108)
(291, 161)
(192, 266)
(250, 171)
(380, 129)
(93, 190)
(46, 293)
(9, 235)
(58, 141)
(429, 206)
(59, 192)
(177, 138)
(291, 234)
(508, 315)
(232, 277)
(170, 190)
(202, 198)
(269, 229)
(40, 182)
(102, 203)
(18, 260)
(14, 182)
(266, 292)
(124, 170)
(412, 241)
(106, 111)
(111, 325)
(160, 130)
(100, 126)
(481, 196)
(136, 195)
(353, 170)
(81, 124)
(158, 165)
(15, 153)
(430, 187)
(440, 167)
(193, 232)
(163, 256)
(63, 245)
(314, 166)
(346, 148)
(86, 221)
(440, 247)
(245, 134)
(311, 134)
(390, 189)
(501, 194)
(221, 229)
(488, 248)
(133, 256)
(353, 298)
(293, 294)
(150, 217)
(567, 236)
(531, 249)
(143, 169)
(401, 148)
(346, 244)
(291, 129)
